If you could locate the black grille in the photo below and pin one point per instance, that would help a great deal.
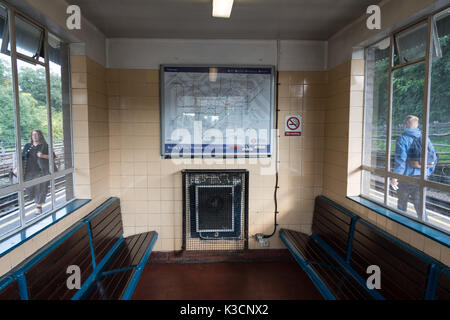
(215, 210)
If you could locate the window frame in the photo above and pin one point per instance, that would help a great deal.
(21, 185)
(386, 173)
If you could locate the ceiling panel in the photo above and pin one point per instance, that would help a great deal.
(250, 19)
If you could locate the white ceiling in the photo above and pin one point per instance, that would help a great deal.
(250, 19)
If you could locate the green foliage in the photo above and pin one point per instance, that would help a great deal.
(33, 101)
(408, 85)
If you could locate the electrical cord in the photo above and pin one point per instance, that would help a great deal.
(275, 194)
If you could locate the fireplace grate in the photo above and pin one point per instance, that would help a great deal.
(215, 210)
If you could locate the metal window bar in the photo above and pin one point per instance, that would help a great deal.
(424, 183)
(389, 122)
(15, 81)
(426, 118)
(49, 117)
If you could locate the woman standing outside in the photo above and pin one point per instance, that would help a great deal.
(35, 161)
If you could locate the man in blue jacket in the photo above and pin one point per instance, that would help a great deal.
(405, 166)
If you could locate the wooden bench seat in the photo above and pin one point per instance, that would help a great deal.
(45, 271)
(111, 286)
(130, 254)
(9, 288)
(443, 285)
(341, 285)
(404, 272)
(342, 247)
(131, 251)
(108, 262)
(123, 267)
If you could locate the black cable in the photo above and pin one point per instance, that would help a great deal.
(276, 162)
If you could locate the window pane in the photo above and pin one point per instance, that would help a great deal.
(438, 208)
(376, 105)
(3, 23)
(33, 120)
(9, 213)
(407, 110)
(411, 44)
(63, 190)
(28, 38)
(405, 196)
(439, 125)
(38, 200)
(7, 128)
(60, 101)
(373, 186)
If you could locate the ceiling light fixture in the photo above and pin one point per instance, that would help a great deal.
(222, 8)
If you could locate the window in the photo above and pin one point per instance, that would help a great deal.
(36, 167)
(407, 101)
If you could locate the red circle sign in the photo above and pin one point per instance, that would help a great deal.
(293, 123)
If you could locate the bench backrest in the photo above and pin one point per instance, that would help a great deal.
(332, 224)
(404, 272)
(443, 285)
(106, 227)
(46, 271)
(9, 289)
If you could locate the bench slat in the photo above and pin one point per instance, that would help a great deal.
(131, 251)
(46, 279)
(443, 287)
(340, 283)
(111, 286)
(332, 236)
(106, 228)
(403, 274)
(332, 225)
(10, 291)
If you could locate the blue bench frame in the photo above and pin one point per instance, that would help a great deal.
(433, 275)
(18, 273)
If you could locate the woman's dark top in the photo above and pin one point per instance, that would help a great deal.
(33, 165)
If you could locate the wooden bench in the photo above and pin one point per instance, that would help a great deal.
(9, 288)
(97, 246)
(121, 272)
(341, 248)
(443, 285)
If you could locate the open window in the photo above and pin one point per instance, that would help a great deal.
(4, 32)
(29, 39)
(411, 44)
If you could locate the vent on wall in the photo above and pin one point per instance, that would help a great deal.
(215, 210)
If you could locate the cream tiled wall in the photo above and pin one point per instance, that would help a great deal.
(342, 160)
(90, 128)
(150, 188)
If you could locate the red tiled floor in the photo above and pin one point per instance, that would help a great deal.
(225, 281)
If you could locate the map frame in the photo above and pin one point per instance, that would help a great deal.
(258, 154)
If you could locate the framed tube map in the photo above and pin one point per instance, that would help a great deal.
(217, 110)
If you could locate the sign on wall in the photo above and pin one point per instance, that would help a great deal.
(293, 126)
(217, 110)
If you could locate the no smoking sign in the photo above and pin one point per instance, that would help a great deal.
(293, 126)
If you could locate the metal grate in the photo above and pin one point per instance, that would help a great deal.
(215, 210)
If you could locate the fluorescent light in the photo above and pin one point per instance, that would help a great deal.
(222, 8)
